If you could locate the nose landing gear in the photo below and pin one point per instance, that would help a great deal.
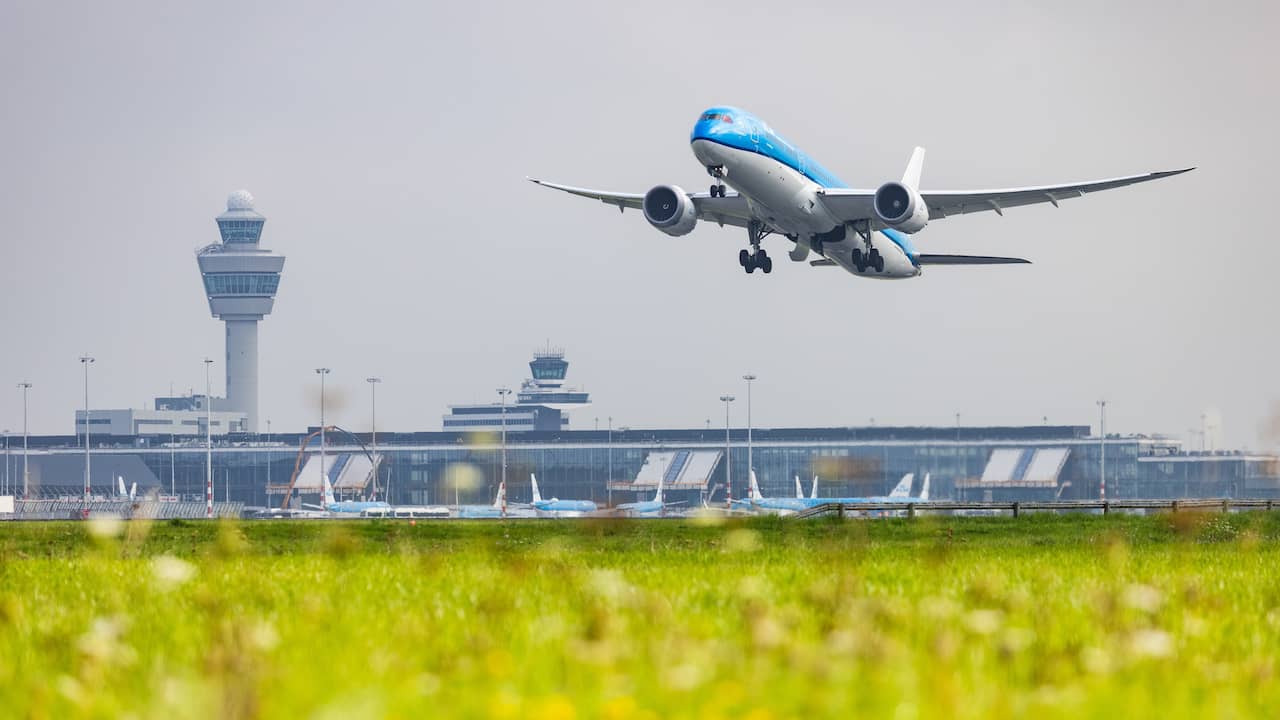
(718, 172)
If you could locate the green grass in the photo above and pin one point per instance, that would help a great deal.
(1175, 616)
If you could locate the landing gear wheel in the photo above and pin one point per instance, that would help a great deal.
(744, 257)
(766, 264)
(878, 260)
(859, 261)
(750, 267)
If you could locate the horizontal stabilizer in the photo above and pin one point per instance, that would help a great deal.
(968, 260)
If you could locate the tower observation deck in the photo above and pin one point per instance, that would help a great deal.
(240, 280)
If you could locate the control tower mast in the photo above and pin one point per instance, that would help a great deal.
(240, 280)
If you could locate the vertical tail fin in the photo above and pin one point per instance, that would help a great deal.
(133, 490)
(915, 166)
(658, 496)
(327, 488)
(533, 480)
(924, 489)
(813, 493)
(500, 501)
(120, 492)
(753, 487)
(799, 490)
(903, 488)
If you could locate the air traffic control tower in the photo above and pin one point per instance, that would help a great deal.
(240, 280)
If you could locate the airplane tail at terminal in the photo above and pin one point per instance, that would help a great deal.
(903, 489)
(120, 486)
(329, 499)
(924, 488)
(753, 487)
(533, 480)
(500, 502)
(657, 497)
(813, 492)
(799, 490)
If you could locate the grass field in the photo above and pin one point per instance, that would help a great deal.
(1174, 616)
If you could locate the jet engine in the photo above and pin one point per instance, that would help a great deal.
(901, 207)
(669, 209)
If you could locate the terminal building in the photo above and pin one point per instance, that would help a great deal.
(609, 467)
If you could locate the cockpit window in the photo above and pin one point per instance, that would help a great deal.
(722, 117)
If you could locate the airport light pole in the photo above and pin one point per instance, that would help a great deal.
(208, 441)
(86, 361)
(608, 483)
(26, 475)
(173, 461)
(1102, 448)
(749, 378)
(503, 392)
(728, 475)
(268, 453)
(323, 474)
(373, 401)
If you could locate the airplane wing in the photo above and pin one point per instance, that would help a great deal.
(849, 205)
(729, 210)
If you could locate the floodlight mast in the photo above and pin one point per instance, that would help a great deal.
(728, 477)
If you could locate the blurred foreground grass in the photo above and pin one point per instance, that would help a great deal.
(1173, 616)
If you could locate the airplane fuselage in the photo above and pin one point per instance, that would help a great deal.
(781, 184)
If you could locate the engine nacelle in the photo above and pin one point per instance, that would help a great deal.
(901, 208)
(669, 209)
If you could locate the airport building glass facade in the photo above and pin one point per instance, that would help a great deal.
(426, 468)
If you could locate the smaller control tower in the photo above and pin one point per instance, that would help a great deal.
(240, 280)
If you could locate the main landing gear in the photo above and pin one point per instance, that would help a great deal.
(718, 172)
(870, 257)
(756, 257)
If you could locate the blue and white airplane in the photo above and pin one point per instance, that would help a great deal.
(499, 509)
(656, 507)
(331, 504)
(777, 189)
(555, 507)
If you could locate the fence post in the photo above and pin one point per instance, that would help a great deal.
(1269, 505)
(1174, 507)
(840, 511)
(1106, 508)
(1015, 509)
(911, 510)
(1226, 506)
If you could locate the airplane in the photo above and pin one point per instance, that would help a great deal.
(331, 504)
(779, 190)
(653, 507)
(555, 507)
(770, 505)
(499, 508)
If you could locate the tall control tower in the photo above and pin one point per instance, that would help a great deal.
(240, 279)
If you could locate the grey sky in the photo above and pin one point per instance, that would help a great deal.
(387, 146)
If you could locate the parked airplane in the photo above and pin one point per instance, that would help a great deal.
(555, 507)
(647, 508)
(780, 190)
(770, 505)
(499, 508)
(331, 504)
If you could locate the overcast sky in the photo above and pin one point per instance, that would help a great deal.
(387, 145)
